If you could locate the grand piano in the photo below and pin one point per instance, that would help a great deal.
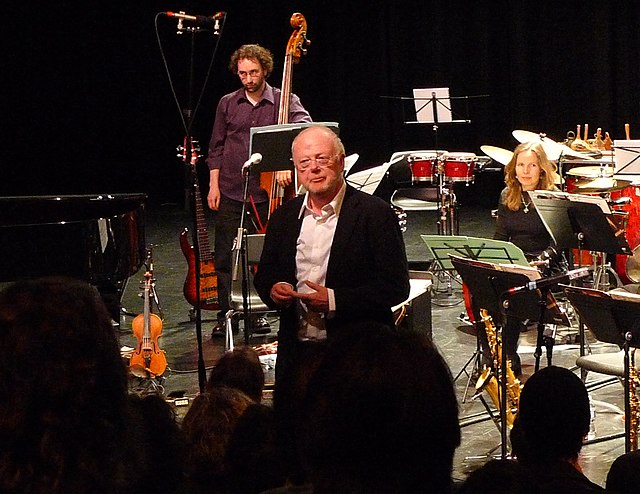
(97, 238)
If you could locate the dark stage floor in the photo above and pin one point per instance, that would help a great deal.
(456, 342)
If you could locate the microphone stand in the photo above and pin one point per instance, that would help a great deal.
(241, 253)
(191, 195)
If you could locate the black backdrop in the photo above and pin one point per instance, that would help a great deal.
(88, 107)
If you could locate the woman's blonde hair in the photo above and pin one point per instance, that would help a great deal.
(548, 175)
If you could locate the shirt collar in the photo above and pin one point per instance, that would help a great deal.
(267, 95)
(335, 204)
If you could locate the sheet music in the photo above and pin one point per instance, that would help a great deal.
(369, 179)
(424, 104)
(626, 157)
(552, 194)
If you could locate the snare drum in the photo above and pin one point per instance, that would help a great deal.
(424, 167)
(459, 167)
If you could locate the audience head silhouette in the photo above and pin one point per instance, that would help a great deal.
(553, 417)
(239, 369)
(63, 391)
(380, 415)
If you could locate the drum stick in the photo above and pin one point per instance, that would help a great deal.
(626, 131)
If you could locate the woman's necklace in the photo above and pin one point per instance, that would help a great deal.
(526, 205)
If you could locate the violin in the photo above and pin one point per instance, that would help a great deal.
(147, 360)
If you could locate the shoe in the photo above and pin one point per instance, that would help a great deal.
(261, 326)
(218, 330)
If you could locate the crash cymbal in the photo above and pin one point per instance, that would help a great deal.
(591, 171)
(501, 155)
(553, 149)
(603, 184)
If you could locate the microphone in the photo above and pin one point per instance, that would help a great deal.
(551, 280)
(200, 20)
(253, 160)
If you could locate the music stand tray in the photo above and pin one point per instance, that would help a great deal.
(489, 284)
(579, 221)
(274, 143)
(441, 247)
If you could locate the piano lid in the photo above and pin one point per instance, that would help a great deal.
(99, 238)
(26, 210)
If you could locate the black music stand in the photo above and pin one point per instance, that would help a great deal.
(612, 319)
(580, 222)
(441, 247)
(273, 142)
(490, 287)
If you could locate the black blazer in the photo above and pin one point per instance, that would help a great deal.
(367, 266)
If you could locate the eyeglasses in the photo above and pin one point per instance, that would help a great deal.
(252, 74)
(321, 161)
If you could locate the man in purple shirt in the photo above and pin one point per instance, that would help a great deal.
(254, 105)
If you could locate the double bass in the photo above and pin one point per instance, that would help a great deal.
(295, 49)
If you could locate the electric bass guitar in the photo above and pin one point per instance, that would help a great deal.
(207, 273)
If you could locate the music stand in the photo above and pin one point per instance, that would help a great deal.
(441, 247)
(627, 157)
(489, 284)
(273, 142)
(613, 319)
(579, 221)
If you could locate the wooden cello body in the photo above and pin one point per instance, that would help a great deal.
(295, 48)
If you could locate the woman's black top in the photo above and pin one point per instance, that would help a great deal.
(525, 230)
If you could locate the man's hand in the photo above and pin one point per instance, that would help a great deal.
(213, 198)
(282, 294)
(318, 300)
(283, 178)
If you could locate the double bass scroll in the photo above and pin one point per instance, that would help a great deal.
(296, 47)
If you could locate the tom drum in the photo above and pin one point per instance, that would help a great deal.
(424, 167)
(459, 167)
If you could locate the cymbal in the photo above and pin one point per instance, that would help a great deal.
(553, 149)
(603, 184)
(591, 171)
(501, 155)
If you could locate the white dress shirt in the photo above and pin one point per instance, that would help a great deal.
(312, 259)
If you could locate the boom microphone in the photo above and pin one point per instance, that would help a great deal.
(550, 281)
(200, 20)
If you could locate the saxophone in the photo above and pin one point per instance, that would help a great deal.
(634, 403)
(489, 380)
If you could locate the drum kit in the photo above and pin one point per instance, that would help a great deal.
(592, 174)
(444, 170)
